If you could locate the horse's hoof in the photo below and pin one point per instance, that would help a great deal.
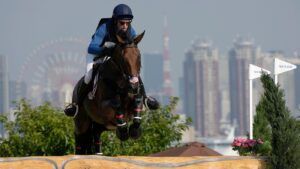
(99, 154)
(80, 150)
(135, 131)
(122, 133)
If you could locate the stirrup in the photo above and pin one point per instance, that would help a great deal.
(153, 106)
(145, 103)
(76, 107)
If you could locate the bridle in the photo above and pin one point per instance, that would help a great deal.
(132, 86)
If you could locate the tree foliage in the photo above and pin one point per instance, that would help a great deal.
(161, 129)
(285, 130)
(42, 130)
(261, 127)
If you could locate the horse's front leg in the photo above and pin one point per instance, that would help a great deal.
(122, 127)
(135, 130)
(114, 116)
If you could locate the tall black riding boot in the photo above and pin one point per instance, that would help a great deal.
(149, 102)
(72, 109)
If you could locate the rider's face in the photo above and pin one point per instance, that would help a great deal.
(123, 25)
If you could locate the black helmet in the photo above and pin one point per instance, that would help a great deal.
(122, 11)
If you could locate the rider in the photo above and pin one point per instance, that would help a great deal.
(101, 45)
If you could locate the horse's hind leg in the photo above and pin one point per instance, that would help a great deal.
(79, 149)
(97, 131)
(83, 133)
(83, 143)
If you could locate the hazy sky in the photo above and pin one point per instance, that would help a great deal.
(274, 24)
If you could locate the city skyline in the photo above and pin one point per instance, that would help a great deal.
(273, 24)
(207, 62)
(202, 89)
(206, 100)
(32, 31)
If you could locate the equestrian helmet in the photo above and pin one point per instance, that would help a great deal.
(122, 12)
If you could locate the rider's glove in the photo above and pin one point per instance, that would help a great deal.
(108, 48)
(109, 45)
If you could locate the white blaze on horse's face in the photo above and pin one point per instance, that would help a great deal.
(134, 80)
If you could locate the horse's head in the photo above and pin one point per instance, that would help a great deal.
(128, 57)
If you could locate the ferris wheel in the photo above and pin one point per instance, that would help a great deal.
(52, 70)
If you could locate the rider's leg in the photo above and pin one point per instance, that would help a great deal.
(149, 102)
(72, 109)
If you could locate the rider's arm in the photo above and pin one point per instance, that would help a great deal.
(94, 47)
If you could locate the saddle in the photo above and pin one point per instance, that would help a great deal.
(81, 89)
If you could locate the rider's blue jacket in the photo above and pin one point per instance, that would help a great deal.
(102, 35)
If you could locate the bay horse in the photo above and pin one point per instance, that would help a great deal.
(117, 96)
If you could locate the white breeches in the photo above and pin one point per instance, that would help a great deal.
(89, 68)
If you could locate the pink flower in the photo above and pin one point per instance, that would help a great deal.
(245, 143)
(251, 142)
(237, 142)
(246, 146)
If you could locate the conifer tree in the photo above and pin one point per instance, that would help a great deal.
(261, 126)
(285, 132)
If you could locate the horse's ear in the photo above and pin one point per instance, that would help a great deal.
(120, 40)
(138, 38)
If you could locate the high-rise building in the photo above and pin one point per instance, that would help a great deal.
(240, 56)
(290, 82)
(153, 72)
(167, 88)
(17, 91)
(152, 75)
(202, 94)
(157, 71)
(225, 124)
(297, 84)
(189, 94)
(4, 98)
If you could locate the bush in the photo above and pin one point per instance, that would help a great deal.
(38, 131)
(160, 129)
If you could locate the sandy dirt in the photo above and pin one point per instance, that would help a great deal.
(131, 162)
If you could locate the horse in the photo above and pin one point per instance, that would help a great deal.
(116, 96)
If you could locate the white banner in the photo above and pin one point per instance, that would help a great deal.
(282, 66)
(256, 72)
